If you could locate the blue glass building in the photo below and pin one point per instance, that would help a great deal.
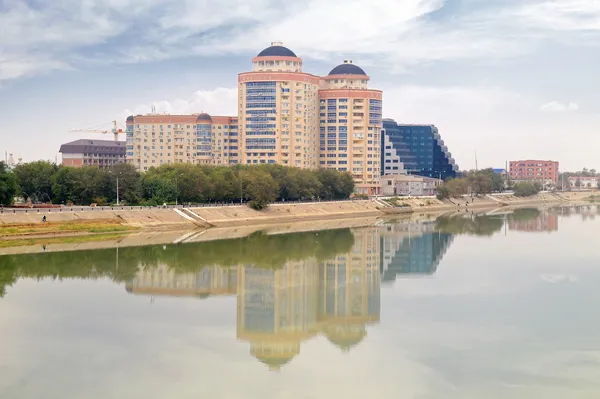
(416, 150)
(418, 255)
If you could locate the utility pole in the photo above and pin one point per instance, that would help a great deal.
(118, 189)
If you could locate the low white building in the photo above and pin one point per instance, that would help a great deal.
(583, 182)
(404, 185)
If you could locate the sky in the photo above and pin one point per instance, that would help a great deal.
(503, 79)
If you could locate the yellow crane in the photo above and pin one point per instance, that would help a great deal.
(115, 130)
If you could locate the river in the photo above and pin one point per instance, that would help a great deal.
(504, 305)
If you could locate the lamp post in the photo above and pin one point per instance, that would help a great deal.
(117, 174)
(177, 188)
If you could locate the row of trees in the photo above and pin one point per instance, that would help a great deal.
(483, 182)
(258, 185)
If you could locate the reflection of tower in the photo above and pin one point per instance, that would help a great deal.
(162, 280)
(277, 310)
(349, 291)
(413, 254)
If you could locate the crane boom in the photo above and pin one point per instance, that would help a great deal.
(115, 131)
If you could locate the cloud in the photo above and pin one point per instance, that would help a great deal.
(562, 15)
(555, 106)
(397, 33)
(220, 101)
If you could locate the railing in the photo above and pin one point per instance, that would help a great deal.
(142, 208)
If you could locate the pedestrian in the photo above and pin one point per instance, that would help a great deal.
(44, 219)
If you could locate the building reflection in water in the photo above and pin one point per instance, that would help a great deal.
(278, 309)
(533, 221)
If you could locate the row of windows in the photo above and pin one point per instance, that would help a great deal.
(253, 99)
(261, 105)
(261, 84)
(261, 126)
(263, 90)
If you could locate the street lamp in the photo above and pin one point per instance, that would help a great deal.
(177, 188)
(117, 174)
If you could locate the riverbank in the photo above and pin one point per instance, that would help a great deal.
(77, 222)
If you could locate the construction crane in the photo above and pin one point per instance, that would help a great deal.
(115, 131)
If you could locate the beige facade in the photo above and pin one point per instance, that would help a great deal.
(154, 140)
(350, 126)
(286, 117)
(278, 110)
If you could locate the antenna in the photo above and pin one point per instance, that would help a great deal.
(153, 111)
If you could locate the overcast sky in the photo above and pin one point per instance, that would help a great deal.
(508, 79)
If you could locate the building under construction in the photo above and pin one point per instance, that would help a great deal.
(98, 153)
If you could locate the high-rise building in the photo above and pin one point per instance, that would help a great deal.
(98, 153)
(534, 170)
(286, 116)
(278, 110)
(154, 140)
(417, 149)
(350, 122)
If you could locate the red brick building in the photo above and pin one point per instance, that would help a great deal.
(534, 170)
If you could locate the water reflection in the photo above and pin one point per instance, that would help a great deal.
(278, 309)
(533, 220)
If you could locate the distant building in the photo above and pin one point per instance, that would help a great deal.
(534, 170)
(98, 153)
(584, 182)
(409, 185)
(416, 149)
(501, 171)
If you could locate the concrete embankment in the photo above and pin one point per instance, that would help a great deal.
(138, 217)
(229, 216)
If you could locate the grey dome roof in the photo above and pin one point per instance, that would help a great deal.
(204, 117)
(276, 50)
(129, 118)
(347, 69)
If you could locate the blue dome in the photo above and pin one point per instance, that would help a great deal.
(347, 68)
(130, 118)
(276, 50)
(204, 117)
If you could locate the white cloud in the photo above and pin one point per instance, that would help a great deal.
(563, 15)
(220, 101)
(399, 33)
(555, 106)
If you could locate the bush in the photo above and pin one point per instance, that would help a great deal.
(526, 189)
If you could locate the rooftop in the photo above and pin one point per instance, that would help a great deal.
(347, 68)
(276, 50)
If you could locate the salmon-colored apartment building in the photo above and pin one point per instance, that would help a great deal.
(285, 116)
(534, 170)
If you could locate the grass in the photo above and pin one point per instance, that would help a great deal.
(60, 240)
(76, 227)
(395, 202)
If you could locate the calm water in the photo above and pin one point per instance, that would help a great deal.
(500, 306)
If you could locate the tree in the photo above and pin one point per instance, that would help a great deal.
(260, 188)
(526, 189)
(8, 185)
(129, 183)
(35, 180)
(578, 183)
